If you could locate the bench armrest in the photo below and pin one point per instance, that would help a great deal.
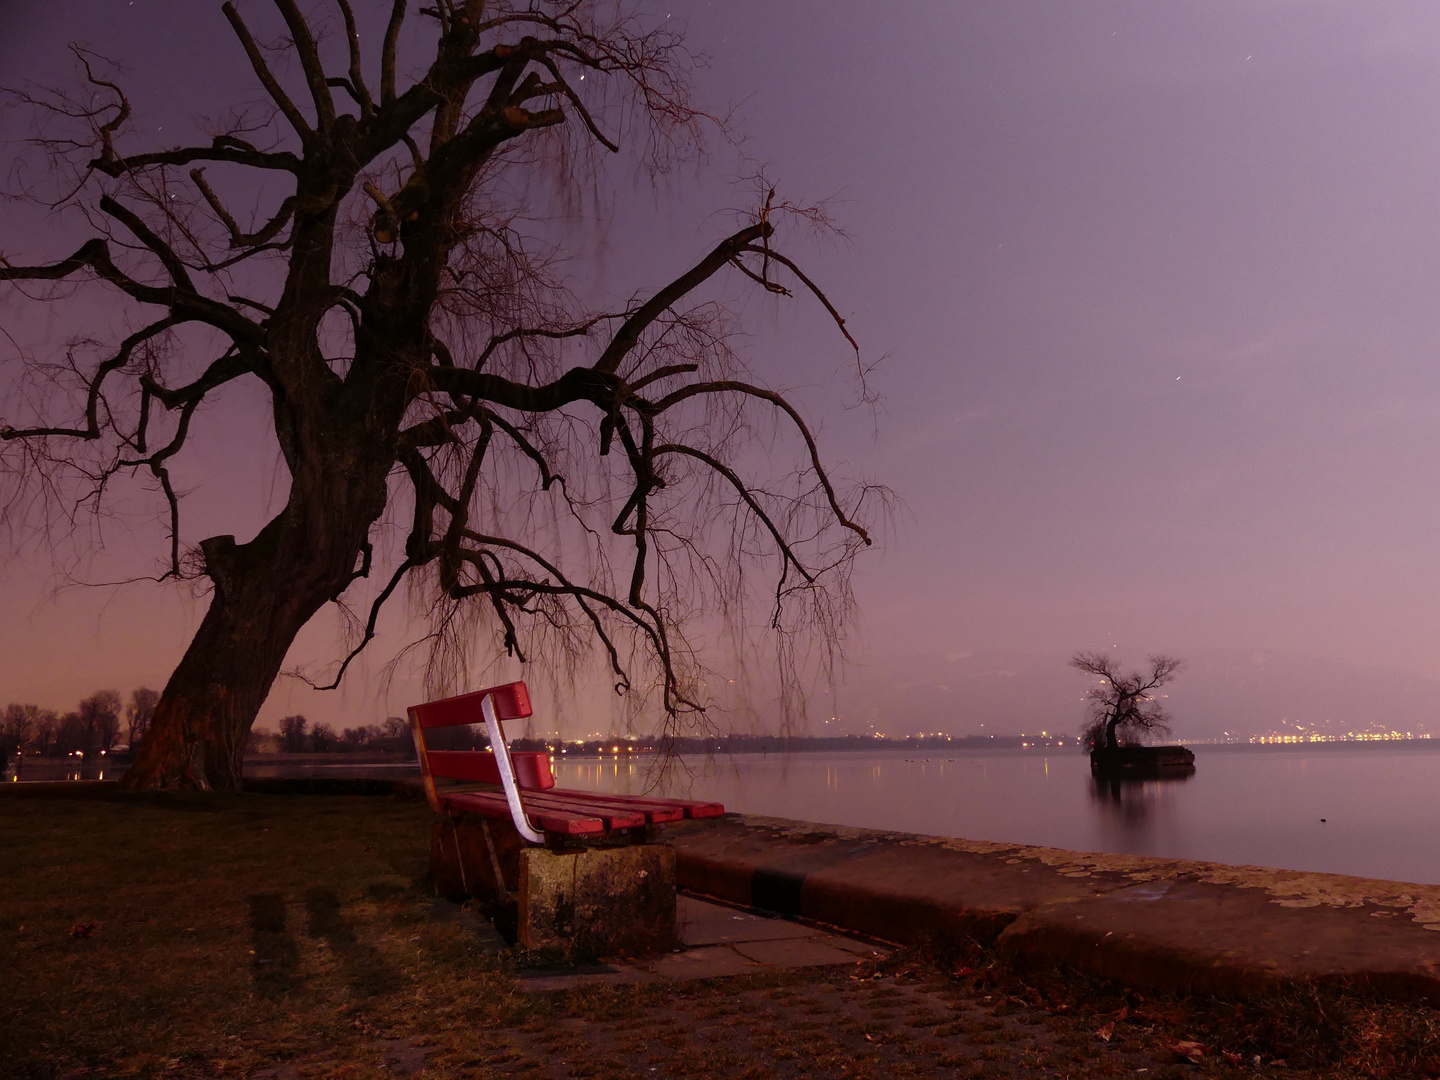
(507, 773)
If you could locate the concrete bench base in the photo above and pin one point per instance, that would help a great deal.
(586, 900)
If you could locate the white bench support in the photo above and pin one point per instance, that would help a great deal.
(507, 772)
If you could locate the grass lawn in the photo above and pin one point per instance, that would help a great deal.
(295, 936)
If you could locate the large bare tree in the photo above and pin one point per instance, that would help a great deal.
(357, 247)
(1124, 706)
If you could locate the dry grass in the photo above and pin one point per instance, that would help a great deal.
(282, 937)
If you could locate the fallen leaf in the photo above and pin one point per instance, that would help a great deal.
(1192, 1051)
(1232, 1058)
(1105, 1031)
(83, 929)
(1123, 1013)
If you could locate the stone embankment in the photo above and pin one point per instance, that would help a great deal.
(1166, 924)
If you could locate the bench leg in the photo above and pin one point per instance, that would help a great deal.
(471, 856)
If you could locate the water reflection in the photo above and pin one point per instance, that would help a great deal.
(1133, 804)
(51, 769)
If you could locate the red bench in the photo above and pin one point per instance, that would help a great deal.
(520, 786)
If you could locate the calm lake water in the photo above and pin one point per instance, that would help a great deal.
(1380, 804)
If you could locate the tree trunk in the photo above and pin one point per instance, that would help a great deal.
(197, 738)
(265, 592)
(1112, 740)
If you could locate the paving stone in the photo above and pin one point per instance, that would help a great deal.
(702, 923)
(795, 952)
(706, 962)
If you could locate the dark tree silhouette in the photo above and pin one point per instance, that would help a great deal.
(294, 734)
(100, 714)
(18, 725)
(323, 739)
(139, 713)
(44, 730)
(358, 250)
(1123, 707)
(71, 736)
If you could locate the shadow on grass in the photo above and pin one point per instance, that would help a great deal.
(366, 971)
(276, 963)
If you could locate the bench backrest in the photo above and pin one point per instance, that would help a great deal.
(532, 767)
(511, 702)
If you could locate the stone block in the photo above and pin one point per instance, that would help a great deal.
(582, 900)
(598, 900)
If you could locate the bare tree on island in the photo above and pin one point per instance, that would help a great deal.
(358, 251)
(1123, 707)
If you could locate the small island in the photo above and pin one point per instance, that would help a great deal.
(1126, 707)
(1141, 762)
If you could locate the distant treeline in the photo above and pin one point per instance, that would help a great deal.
(778, 744)
(100, 720)
(298, 736)
(95, 726)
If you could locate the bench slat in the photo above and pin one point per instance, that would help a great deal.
(532, 767)
(653, 813)
(552, 820)
(580, 813)
(572, 806)
(614, 817)
(690, 808)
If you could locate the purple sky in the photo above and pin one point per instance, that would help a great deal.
(1157, 287)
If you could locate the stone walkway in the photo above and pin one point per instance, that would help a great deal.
(718, 940)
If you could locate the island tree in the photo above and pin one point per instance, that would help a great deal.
(361, 249)
(1123, 707)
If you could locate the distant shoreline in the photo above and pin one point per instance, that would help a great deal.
(769, 746)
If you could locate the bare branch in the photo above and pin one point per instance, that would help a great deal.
(266, 233)
(225, 148)
(91, 430)
(778, 400)
(387, 53)
(787, 553)
(814, 289)
(356, 85)
(142, 232)
(309, 61)
(266, 77)
(629, 333)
